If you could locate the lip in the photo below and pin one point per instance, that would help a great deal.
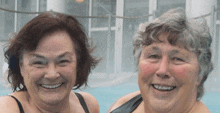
(51, 86)
(163, 94)
(163, 87)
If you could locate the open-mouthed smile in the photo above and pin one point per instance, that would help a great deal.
(163, 87)
(51, 86)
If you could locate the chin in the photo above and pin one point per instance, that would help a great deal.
(53, 98)
(159, 105)
(54, 101)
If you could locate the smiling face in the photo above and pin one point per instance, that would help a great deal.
(168, 77)
(49, 72)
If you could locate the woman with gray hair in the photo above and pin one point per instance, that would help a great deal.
(174, 60)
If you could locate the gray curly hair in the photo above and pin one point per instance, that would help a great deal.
(190, 34)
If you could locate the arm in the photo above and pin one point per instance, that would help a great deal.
(114, 105)
(122, 100)
(8, 105)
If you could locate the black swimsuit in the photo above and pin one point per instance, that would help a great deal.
(80, 97)
(19, 104)
(129, 106)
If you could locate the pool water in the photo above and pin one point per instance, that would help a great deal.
(108, 95)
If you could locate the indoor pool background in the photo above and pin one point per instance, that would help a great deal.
(107, 95)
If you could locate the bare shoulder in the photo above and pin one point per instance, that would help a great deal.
(91, 102)
(200, 108)
(8, 105)
(123, 100)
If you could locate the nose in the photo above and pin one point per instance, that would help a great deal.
(51, 72)
(163, 68)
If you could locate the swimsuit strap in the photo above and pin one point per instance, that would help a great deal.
(129, 106)
(19, 104)
(138, 99)
(80, 97)
(82, 102)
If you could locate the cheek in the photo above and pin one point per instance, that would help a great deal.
(186, 74)
(180, 72)
(32, 75)
(146, 69)
(70, 71)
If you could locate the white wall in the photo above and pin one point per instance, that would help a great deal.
(197, 8)
(56, 5)
(3, 64)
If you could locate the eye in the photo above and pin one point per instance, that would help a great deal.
(154, 56)
(39, 64)
(63, 62)
(178, 59)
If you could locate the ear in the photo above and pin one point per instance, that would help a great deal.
(199, 79)
(21, 66)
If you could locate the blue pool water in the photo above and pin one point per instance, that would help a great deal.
(107, 95)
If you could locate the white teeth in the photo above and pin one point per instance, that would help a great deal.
(163, 88)
(50, 86)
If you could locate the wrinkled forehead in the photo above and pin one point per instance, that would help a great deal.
(174, 39)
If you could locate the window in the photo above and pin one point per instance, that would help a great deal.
(7, 19)
(132, 8)
(164, 5)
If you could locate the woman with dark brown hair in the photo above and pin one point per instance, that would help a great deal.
(48, 58)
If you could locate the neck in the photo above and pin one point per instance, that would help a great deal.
(58, 108)
(178, 105)
(53, 107)
(186, 109)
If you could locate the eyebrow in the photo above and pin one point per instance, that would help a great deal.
(183, 53)
(59, 56)
(153, 49)
(38, 56)
(174, 52)
(64, 54)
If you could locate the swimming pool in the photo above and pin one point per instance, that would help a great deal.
(107, 95)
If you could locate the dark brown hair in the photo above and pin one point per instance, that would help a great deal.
(29, 36)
